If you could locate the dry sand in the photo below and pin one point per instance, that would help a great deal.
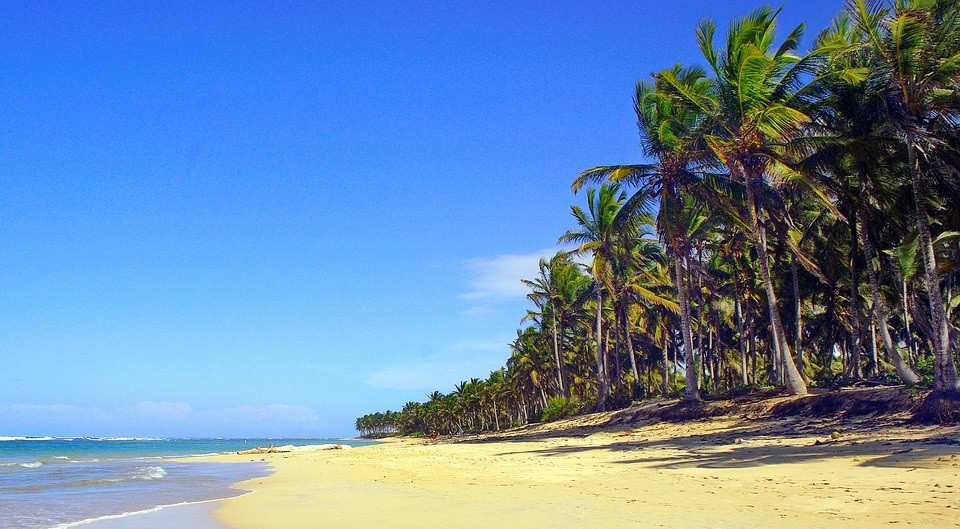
(714, 473)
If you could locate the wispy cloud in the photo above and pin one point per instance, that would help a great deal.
(495, 279)
(443, 368)
(499, 276)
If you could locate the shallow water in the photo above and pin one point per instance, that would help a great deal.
(56, 483)
(196, 516)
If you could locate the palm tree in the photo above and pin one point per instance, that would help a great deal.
(606, 223)
(529, 363)
(917, 46)
(668, 134)
(858, 154)
(752, 110)
(904, 260)
(557, 291)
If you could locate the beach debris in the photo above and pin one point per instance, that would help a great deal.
(290, 448)
(835, 435)
(738, 440)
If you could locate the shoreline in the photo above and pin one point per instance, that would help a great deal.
(61, 483)
(723, 472)
(195, 515)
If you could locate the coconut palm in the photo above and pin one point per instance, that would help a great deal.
(667, 134)
(557, 292)
(917, 45)
(859, 157)
(753, 110)
(605, 225)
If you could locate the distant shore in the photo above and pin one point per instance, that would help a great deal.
(615, 470)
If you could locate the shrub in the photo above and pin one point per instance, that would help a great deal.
(924, 368)
(559, 408)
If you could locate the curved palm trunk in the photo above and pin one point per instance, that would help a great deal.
(556, 354)
(880, 314)
(945, 371)
(691, 390)
(794, 381)
(625, 315)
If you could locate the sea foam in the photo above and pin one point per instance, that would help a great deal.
(149, 473)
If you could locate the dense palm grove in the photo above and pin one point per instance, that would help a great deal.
(798, 223)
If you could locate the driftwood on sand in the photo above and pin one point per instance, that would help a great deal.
(290, 448)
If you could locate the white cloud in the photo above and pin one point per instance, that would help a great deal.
(495, 279)
(441, 370)
(499, 276)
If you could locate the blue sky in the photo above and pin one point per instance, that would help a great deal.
(249, 219)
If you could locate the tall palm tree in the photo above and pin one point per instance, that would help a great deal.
(605, 224)
(918, 49)
(753, 109)
(667, 134)
(557, 292)
(855, 148)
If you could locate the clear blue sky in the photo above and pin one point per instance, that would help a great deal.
(254, 219)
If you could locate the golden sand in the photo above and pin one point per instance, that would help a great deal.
(717, 473)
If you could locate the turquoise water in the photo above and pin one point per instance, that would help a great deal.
(50, 483)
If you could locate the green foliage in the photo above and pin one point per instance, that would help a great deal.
(559, 408)
(924, 367)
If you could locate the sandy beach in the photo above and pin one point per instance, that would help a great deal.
(721, 472)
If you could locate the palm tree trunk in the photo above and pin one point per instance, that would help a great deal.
(628, 342)
(880, 314)
(701, 352)
(856, 330)
(556, 354)
(795, 383)
(601, 373)
(906, 320)
(741, 338)
(666, 367)
(797, 315)
(691, 390)
(945, 371)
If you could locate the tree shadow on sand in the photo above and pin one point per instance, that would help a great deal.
(752, 445)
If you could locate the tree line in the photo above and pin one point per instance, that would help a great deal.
(797, 222)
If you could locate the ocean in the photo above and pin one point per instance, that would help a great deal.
(61, 482)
